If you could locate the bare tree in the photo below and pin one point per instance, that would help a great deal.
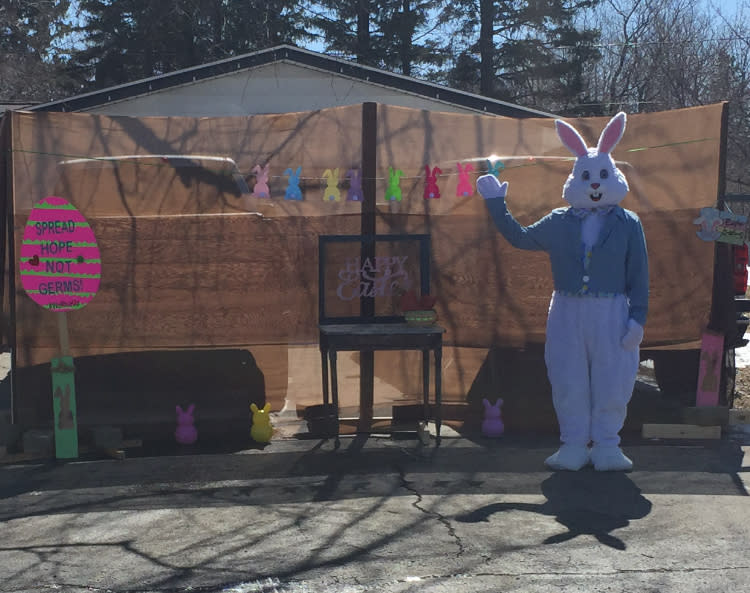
(668, 54)
(733, 81)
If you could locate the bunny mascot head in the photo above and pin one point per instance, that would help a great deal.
(598, 309)
(595, 181)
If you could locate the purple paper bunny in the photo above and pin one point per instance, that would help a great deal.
(354, 194)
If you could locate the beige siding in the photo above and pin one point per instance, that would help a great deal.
(274, 88)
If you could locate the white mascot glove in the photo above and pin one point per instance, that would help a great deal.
(633, 337)
(490, 187)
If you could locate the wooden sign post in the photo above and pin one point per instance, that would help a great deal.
(709, 373)
(60, 270)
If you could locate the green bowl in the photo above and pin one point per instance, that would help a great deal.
(422, 317)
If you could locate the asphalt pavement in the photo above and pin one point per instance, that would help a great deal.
(382, 514)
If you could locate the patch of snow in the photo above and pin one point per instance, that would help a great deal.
(742, 357)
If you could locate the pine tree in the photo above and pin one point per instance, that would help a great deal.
(132, 39)
(389, 34)
(345, 28)
(32, 64)
(525, 51)
(404, 45)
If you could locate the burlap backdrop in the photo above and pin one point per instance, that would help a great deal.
(189, 260)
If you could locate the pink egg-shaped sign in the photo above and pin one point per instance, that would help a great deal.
(60, 265)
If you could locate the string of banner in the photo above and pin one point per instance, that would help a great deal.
(494, 164)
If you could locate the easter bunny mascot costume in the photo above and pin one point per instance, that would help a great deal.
(597, 251)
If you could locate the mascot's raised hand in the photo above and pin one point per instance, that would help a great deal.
(490, 187)
(598, 308)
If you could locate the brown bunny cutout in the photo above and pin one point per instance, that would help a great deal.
(65, 419)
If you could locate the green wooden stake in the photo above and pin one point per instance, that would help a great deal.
(64, 397)
(64, 405)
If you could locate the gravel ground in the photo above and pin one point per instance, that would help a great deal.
(742, 388)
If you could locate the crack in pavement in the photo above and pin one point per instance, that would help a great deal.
(406, 484)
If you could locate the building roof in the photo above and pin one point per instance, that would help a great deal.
(6, 105)
(291, 54)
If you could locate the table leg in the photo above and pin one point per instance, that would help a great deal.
(366, 390)
(438, 391)
(426, 384)
(324, 368)
(335, 389)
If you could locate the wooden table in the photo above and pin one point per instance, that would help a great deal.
(369, 337)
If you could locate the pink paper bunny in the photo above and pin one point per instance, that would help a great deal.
(492, 426)
(186, 433)
(464, 187)
(431, 189)
(261, 189)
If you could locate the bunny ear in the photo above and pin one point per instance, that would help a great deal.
(253, 407)
(178, 409)
(571, 138)
(612, 133)
(267, 408)
(486, 402)
(190, 409)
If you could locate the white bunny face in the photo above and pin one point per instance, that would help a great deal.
(595, 181)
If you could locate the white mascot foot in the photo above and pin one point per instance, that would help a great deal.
(569, 457)
(610, 459)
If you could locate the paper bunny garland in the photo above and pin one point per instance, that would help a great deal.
(464, 187)
(260, 189)
(293, 191)
(431, 189)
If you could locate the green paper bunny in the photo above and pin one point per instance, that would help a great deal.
(393, 191)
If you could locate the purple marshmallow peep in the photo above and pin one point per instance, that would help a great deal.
(186, 433)
(492, 426)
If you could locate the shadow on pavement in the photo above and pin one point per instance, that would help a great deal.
(313, 471)
(582, 506)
